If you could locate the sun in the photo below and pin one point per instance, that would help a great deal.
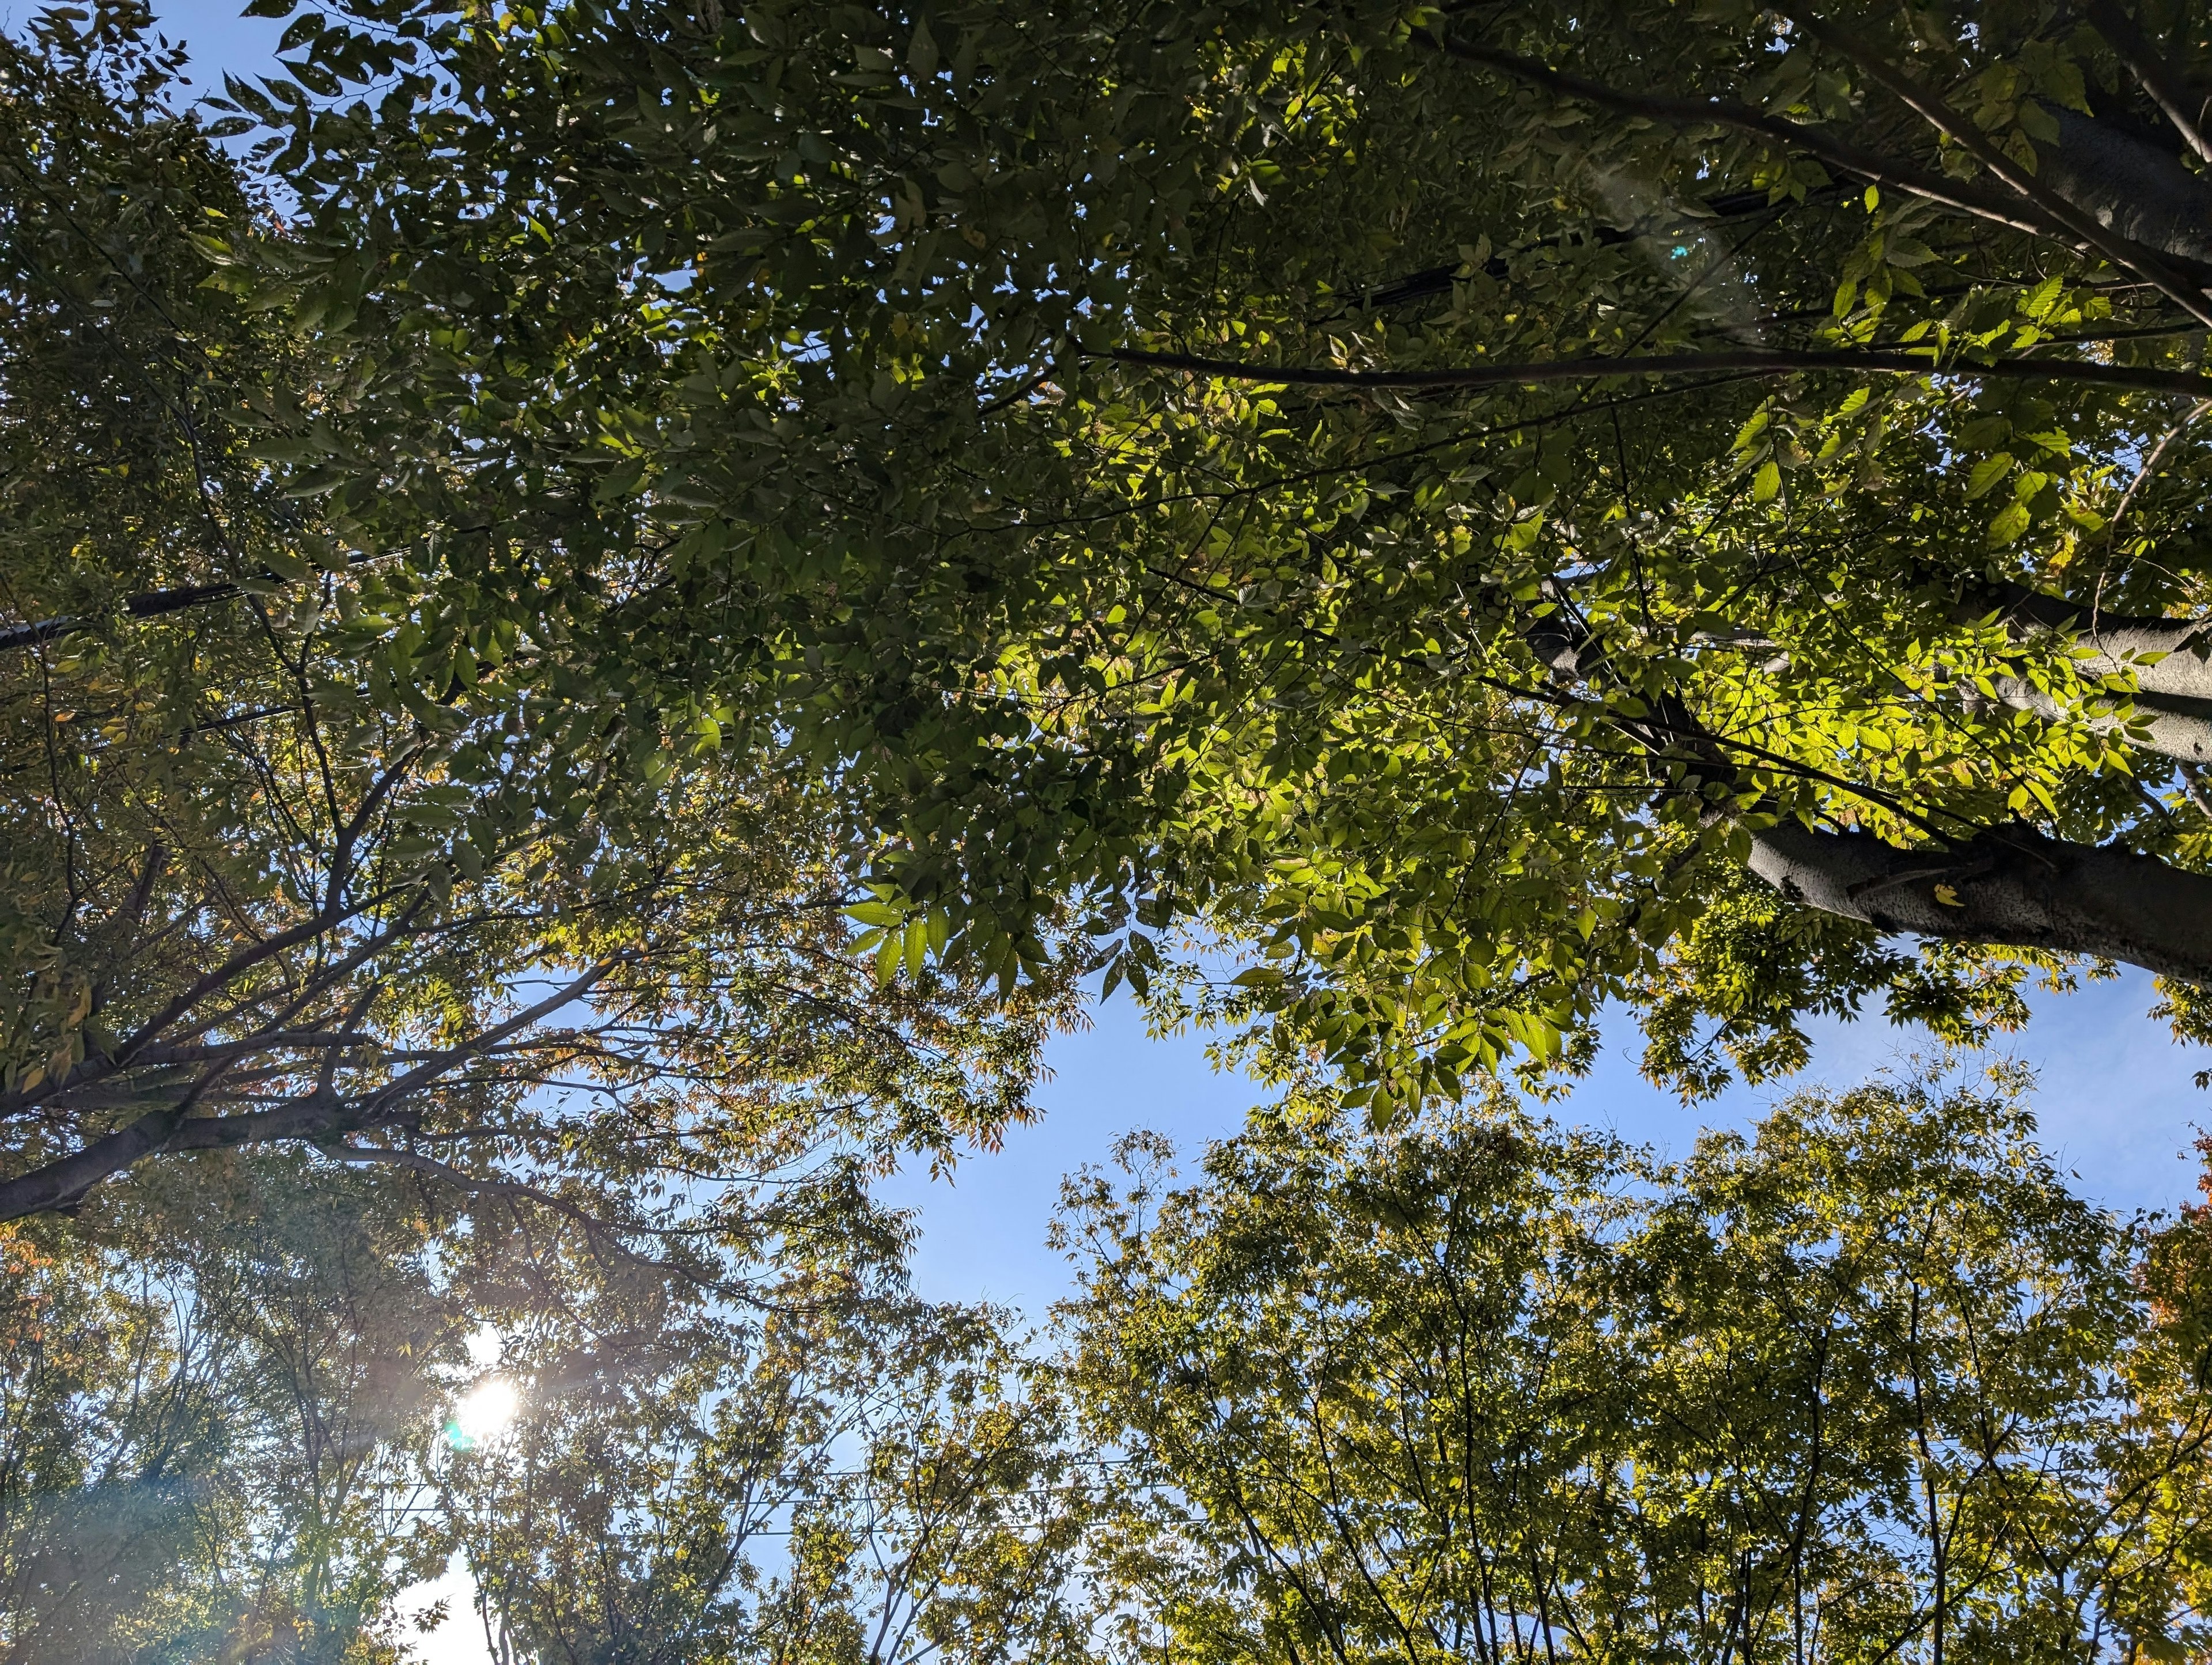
(483, 1413)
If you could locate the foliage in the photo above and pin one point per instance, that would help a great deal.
(1177, 464)
(1471, 514)
(366, 987)
(238, 1425)
(210, 1393)
(255, 889)
(1866, 1382)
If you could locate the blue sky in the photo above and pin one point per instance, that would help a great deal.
(2116, 1100)
(219, 37)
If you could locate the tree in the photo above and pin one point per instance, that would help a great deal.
(304, 929)
(374, 984)
(1183, 460)
(298, 931)
(1866, 1382)
(251, 1398)
(836, 1481)
(256, 890)
(213, 1384)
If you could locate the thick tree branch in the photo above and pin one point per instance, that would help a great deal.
(57, 1184)
(2085, 225)
(2144, 194)
(2015, 888)
(319, 1115)
(2168, 727)
(1958, 195)
(2009, 888)
(2025, 207)
(2170, 659)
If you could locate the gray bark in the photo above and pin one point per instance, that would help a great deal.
(2177, 728)
(2009, 888)
(2160, 77)
(2135, 190)
(2014, 887)
(2180, 648)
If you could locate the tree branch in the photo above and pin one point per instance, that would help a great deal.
(57, 1184)
(2008, 888)
(2017, 889)
(421, 1074)
(2084, 226)
(2170, 659)
(1765, 360)
(2186, 109)
(1956, 194)
(319, 1115)
(485, 1185)
(2165, 726)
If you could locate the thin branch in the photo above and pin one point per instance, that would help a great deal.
(2150, 463)
(609, 1232)
(1762, 359)
(2184, 107)
(2120, 251)
(429, 1072)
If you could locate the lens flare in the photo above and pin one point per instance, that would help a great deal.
(483, 1414)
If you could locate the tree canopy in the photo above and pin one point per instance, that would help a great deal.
(1865, 1382)
(251, 1402)
(608, 609)
(1181, 464)
(255, 889)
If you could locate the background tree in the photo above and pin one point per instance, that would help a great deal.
(861, 1481)
(212, 1387)
(370, 992)
(252, 1399)
(1868, 1382)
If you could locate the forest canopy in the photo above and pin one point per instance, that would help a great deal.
(1865, 1380)
(1478, 511)
(608, 613)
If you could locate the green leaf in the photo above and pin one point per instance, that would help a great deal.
(2011, 521)
(1987, 472)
